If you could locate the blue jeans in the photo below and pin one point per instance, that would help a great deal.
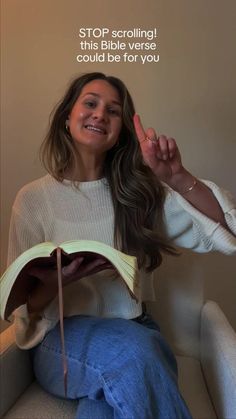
(117, 369)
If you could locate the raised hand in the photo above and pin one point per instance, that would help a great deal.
(160, 153)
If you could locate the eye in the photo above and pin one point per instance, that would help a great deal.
(90, 103)
(114, 111)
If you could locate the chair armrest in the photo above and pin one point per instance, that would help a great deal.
(218, 359)
(16, 370)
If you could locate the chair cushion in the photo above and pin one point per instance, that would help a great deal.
(15, 367)
(193, 388)
(35, 403)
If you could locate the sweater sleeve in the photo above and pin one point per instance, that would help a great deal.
(187, 227)
(26, 230)
(26, 226)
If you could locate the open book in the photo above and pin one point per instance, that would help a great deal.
(16, 283)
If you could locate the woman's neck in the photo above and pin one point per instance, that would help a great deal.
(88, 168)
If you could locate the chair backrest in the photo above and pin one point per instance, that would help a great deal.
(179, 285)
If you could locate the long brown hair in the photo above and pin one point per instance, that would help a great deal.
(137, 195)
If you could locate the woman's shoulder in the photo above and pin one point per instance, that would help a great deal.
(36, 186)
(34, 190)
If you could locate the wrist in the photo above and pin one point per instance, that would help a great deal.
(183, 182)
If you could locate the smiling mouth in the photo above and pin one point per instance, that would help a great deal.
(96, 129)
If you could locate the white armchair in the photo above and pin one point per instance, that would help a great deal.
(198, 331)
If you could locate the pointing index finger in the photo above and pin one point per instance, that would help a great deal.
(139, 128)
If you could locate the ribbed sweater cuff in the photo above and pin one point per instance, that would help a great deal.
(214, 234)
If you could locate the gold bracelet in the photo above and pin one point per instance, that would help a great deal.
(191, 187)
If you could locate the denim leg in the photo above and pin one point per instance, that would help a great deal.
(114, 360)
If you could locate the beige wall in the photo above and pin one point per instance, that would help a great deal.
(189, 94)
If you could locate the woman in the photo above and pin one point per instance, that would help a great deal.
(111, 181)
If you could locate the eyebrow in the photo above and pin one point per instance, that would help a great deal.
(97, 95)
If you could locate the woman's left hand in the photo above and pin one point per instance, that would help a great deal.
(160, 153)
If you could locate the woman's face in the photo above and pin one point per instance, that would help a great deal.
(95, 120)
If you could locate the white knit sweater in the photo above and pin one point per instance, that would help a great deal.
(47, 210)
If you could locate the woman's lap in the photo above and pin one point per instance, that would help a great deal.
(116, 360)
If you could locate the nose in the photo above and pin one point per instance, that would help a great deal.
(100, 113)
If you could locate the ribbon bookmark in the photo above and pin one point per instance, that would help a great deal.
(60, 297)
